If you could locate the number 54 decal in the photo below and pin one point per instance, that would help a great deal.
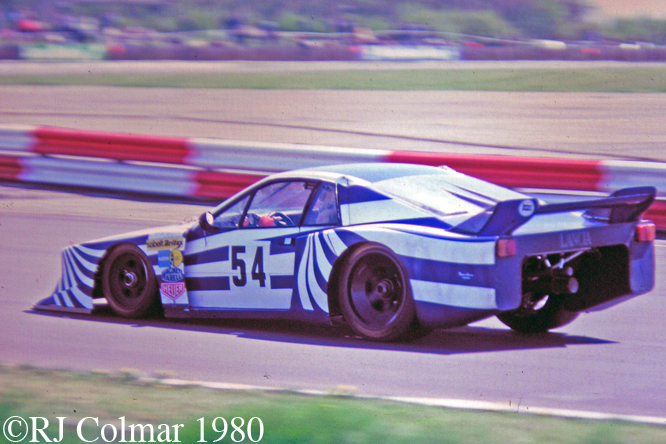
(238, 263)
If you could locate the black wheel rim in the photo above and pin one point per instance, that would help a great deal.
(376, 291)
(128, 280)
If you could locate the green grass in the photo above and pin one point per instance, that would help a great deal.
(287, 417)
(617, 79)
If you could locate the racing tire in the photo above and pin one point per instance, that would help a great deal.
(129, 283)
(551, 315)
(375, 296)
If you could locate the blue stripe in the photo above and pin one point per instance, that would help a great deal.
(215, 255)
(359, 194)
(319, 277)
(220, 283)
(327, 250)
(435, 315)
(431, 222)
(86, 256)
(75, 301)
(65, 275)
(444, 272)
(278, 247)
(349, 238)
(282, 282)
(82, 268)
(470, 239)
(51, 300)
(78, 282)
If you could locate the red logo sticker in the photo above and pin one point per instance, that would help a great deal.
(173, 290)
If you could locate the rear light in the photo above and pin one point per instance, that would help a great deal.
(506, 247)
(646, 231)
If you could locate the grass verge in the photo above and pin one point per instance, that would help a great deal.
(286, 417)
(620, 79)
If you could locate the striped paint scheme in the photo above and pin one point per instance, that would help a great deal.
(432, 258)
(75, 288)
(283, 272)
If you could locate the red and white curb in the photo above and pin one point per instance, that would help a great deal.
(216, 169)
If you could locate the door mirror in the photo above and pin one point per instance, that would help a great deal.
(206, 221)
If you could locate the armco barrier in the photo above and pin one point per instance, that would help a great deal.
(213, 169)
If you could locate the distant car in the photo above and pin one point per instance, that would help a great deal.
(391, 250)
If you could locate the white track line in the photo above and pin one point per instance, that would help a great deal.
(460, 404)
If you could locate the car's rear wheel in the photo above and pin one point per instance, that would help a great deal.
(374, 294)
(128, 282)
(549, 313)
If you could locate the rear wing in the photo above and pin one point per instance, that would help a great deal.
(625, 205)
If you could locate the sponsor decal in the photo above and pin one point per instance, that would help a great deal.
(169, 258)
(172, 274)
(465, 276)
(163, 258)
(575, 239)
(176, 258)
(172, 290)
(526, 208)
(162, 242)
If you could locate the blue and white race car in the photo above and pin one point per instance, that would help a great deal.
(391, 250)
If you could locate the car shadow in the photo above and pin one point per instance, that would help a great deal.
(468, 339)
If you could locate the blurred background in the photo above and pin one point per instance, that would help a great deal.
(333, 29)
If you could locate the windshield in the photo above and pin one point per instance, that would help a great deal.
(451, 195)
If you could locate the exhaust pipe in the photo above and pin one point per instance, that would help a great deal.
(564, 284)
(558, 281)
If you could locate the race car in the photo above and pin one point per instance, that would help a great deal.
(390, 250)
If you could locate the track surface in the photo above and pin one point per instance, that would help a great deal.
(612, 361)
(627, 125)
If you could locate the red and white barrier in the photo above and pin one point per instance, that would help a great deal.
(215, 169)
(50, 141)
(273, 157)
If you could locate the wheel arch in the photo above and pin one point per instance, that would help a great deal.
(333, 286)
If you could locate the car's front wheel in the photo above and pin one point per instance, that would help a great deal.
(128, 282)
(374, 294)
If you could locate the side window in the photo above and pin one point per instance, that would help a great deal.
(230, 217)
(279, 204)
(324, 208)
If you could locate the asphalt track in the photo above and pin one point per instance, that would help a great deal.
(612, 361)
(557, 124)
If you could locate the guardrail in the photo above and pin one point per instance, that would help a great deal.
(213, 169)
